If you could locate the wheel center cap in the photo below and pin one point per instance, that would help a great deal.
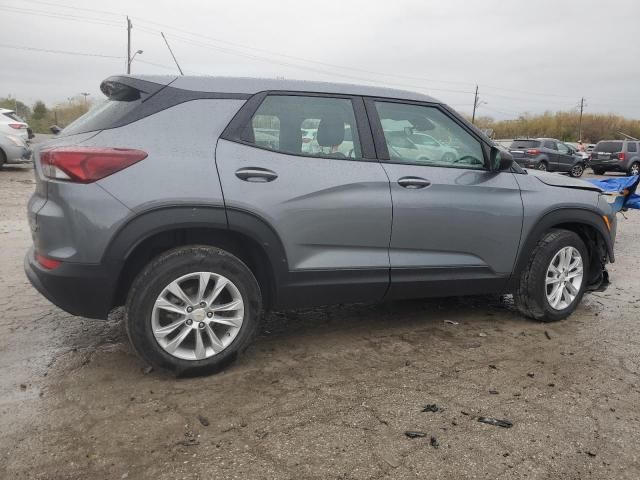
(199, 315)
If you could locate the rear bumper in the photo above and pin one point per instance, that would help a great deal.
(527, 162)
(16, 154)
(612, 165)
(83, 290)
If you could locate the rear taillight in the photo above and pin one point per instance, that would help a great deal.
(17, 126)
(621, 156)
(533, 151)
(87, 164)
(46, 262)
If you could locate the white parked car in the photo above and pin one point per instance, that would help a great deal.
(14, 137)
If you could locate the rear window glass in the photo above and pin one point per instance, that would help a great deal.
(101, 116)
(520, 144)
(609, 147)
(13, 117)
(631, 147)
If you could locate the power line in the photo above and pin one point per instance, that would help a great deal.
(74, 18)
(64, 52)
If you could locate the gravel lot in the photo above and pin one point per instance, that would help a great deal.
(325, 393)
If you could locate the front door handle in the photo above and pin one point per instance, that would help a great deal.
(413, 182)
(256, 174)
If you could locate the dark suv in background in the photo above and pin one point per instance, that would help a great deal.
(547, 154)
(616, 156)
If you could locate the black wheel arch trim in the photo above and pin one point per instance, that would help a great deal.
(554, 218)
(178, 217)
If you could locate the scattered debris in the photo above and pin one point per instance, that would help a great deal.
(147, 370)
(188, 442)
(591, 454)
(412, 434)
(23, 386)
(464, 413)
(546, 334)
(482, 334)
(203, 420)
(407, 363)
(431, 407)
(551, 384)
(493, 367)
(495, 422)
(451, 322)
(434, 442)
(531, 375)
(493, 391)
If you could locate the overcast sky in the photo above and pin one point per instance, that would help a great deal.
(525, 55)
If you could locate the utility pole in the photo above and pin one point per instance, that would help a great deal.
(85, 95)
(580, 125)
(475, 105)
(129, 26)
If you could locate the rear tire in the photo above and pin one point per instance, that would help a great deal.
(598, 171)
(152, 307)
(542, 166)
(534, 293)
(634, 169)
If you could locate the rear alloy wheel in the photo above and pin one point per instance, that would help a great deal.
(542, 166)
(577, 170)
(553, 283)
(634, 169)
(192, 310)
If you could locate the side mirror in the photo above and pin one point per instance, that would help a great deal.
(55, 129)
(500, 159)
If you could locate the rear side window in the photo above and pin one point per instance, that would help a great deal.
(308, 126)
(550, 145)
(101, 116)
(631, 147)
(609, 147)
(524, 144)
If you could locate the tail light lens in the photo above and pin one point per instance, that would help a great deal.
(621, 156)
(87, 164)
(533, 151)
(17, 126)
(46, 262)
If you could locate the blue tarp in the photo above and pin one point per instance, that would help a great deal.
(625, 186)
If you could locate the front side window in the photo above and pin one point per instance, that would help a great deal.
(562, 148)
(308, 126)
(426, 136)
(550, 145)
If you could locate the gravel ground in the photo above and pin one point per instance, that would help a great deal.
(328, 392)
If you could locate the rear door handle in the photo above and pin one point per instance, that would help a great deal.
(256, 174)
(413, 182)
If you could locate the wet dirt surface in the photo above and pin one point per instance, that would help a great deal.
(325, 393)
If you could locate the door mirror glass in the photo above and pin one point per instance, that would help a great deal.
(55, 129)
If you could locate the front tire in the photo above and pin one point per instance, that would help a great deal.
(577, 170)
(553, 282)
(192, 310)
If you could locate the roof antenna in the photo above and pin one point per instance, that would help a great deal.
(171, 52)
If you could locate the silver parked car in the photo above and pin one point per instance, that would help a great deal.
(199, 225)
(14, 138)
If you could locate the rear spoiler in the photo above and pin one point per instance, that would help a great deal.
(128, 89)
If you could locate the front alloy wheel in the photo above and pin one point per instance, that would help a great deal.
(564, 278)
(577, 170)
(634, 169)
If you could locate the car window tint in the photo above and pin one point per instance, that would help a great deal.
(425, 135)
(524, 144)
(310, 126)
(608, 147)
(562, 148)
(550, 145)
(631, 147)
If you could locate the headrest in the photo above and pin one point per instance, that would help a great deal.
(330, 131)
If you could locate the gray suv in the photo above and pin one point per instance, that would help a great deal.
(616, 156)
(200, 202)
(547, 154)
